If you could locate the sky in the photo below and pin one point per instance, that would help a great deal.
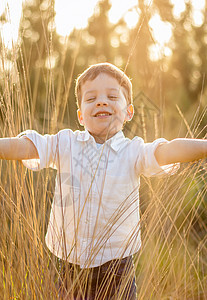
(75, 13)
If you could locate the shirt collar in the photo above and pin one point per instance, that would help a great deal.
(83, 136)
(115, 142)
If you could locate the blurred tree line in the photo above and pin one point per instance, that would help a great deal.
(48, 64)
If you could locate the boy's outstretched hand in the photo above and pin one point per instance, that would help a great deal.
(16, 148)
(181, 150)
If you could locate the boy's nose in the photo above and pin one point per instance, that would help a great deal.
(102, 102)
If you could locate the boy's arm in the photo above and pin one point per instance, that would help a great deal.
(16, 148)
(181, 150)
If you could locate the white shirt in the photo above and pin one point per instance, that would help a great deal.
(95, 211)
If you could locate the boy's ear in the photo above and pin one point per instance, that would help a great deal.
(129, 112)
(80, 117)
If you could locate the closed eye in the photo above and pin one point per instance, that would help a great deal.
(113, 97)
(90, 99)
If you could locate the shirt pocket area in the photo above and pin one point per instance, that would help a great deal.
(119, 204)
(118, 192)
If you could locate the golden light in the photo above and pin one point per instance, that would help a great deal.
(156, 52)
(75, 14)
(162, 31)
(198, 4)
(72, 14)
(9, 30)
(126, 9)
(131, 18)
(198, 7)
(198, 13)
(178, 7)
(198, 18)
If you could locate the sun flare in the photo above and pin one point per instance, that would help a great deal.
(70, 15)
(11, 9)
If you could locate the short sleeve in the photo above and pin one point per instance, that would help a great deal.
(147, 164)
(49, 148)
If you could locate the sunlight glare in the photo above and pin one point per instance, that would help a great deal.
(9, 29)
(72, 14)
(162, 31)
(120, 8)
(157, 52)
(131, 18)
(198, 18)
(179, 7)
(198, 12)
(148, 3)
(198, 4)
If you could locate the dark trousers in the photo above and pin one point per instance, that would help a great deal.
(112, 280)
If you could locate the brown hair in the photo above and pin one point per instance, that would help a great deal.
(93, 71)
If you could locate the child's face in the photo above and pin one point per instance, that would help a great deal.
(103, 107)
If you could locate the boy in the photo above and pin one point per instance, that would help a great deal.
(94, 221)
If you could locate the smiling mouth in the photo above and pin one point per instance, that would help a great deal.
(102, 114)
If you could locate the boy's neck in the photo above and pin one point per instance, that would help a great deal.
(102, 139)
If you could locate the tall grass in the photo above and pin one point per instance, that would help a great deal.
(172, 261)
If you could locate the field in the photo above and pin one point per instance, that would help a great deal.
(172, 261)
